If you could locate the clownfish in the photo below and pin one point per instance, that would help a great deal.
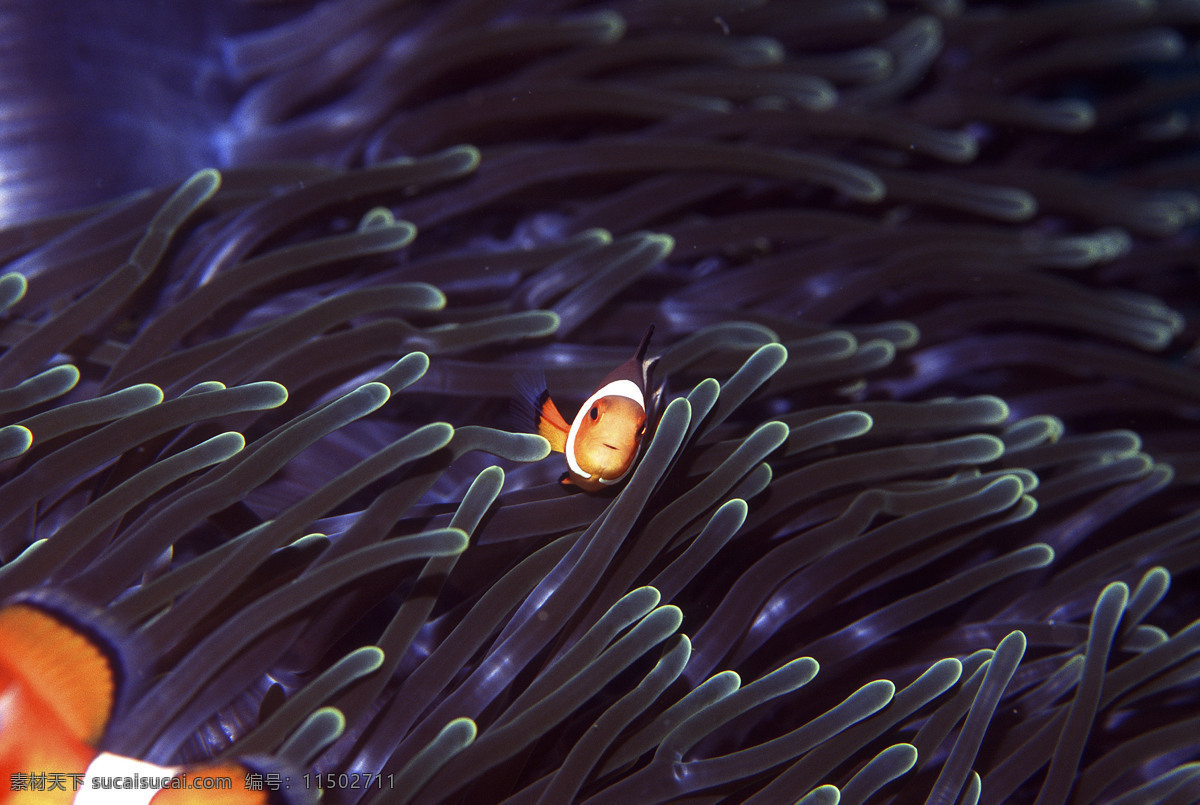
(603, 441)
(59, 685)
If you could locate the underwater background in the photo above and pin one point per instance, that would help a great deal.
(918, 521)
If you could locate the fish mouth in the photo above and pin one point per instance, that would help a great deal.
(609, 446)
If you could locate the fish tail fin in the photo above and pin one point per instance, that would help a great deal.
(69, 658)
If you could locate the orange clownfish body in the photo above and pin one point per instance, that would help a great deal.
(603, 441)
(58, 691)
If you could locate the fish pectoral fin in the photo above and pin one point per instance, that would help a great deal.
(63, 665)
(551, 425)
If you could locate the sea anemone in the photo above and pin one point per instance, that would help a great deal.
(919, 520)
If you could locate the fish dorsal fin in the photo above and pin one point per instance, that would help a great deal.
(637, 369)
(640, 355)
(62, 665)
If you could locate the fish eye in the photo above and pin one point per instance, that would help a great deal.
(594, 413)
